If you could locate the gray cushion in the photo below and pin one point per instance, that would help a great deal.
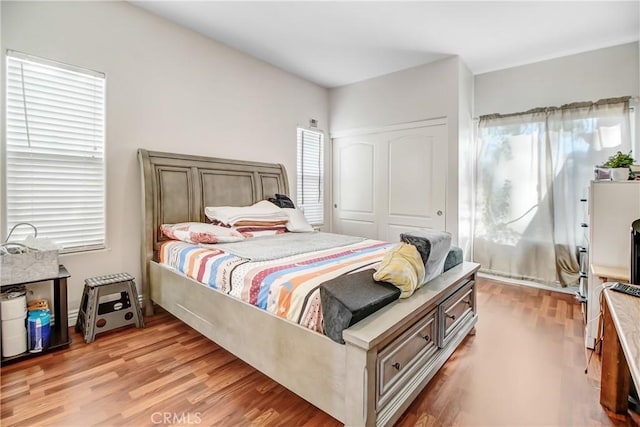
(454, 257)
(433, 246)
(350, 298)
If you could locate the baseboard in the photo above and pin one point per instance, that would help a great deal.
(72, 317)
(509, 281)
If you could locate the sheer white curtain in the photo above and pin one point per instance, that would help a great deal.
(532, 169)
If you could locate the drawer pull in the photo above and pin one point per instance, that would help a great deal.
(427, 338)
(468, 303)
(452, 316)
(396, 365)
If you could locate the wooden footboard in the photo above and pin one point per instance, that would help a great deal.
(387, 360)
(305, 362)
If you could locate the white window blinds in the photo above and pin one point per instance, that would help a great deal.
(55, 173)
(310, 175)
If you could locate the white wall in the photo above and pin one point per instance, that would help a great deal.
(589, 76)
(419, 93)
(168, 89)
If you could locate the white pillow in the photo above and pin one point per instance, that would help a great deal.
(297, 222)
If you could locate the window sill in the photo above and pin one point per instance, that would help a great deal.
(72, 252)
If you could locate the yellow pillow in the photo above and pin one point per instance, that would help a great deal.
(402, 266)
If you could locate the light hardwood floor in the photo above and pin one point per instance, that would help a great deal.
(525, 366)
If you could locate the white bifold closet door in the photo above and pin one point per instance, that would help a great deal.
(390, 182)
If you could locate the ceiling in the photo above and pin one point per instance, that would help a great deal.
(338, 43)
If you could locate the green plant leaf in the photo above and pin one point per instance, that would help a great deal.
(619, 160)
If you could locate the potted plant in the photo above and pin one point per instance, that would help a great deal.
(619, 164)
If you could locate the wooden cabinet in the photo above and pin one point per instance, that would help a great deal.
(421, 348)
(613, 206)
(59, 331)
(399, 358)
(456, 310)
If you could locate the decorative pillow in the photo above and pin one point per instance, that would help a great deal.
(402, 267)
(297, 221)
(433, 246)
(198, 232)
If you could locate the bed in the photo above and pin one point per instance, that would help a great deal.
(387, 358)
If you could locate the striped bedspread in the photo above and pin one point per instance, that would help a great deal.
(287, 287)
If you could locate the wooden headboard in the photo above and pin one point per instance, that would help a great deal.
(177, 188)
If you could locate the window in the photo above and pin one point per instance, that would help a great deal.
(311, 175)
(55, 172)
(532, 168)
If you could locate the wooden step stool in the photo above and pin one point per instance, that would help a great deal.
(95, 317)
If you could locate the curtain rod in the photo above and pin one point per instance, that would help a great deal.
(573, 105)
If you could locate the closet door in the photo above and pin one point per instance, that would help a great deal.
(354, 186)
(414, 185)
(390, 182)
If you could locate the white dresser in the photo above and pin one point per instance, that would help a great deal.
(613, 206)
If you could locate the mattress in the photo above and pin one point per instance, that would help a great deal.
(287, 287)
